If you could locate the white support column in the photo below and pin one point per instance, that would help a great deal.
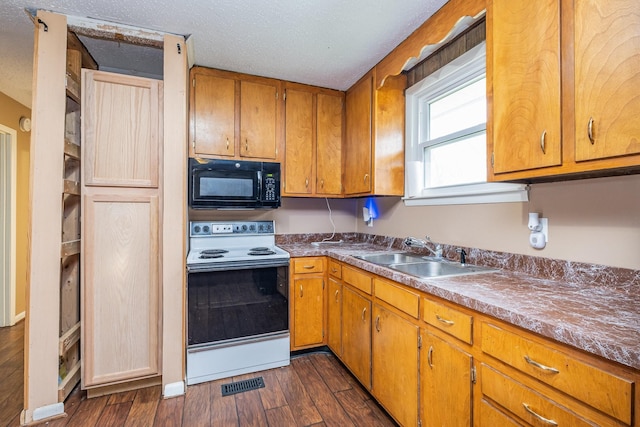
(174, 215)
(45, 226)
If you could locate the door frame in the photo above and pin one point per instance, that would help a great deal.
(8, 178)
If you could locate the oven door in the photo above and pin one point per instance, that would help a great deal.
(226, 304)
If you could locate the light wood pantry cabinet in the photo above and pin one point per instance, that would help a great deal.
(307, 298)
(313, 141)
(562, 96)
(234, 116)
(373, 160)
(394, 351)
(121, 190)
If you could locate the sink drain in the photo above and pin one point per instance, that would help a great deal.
(242, 386)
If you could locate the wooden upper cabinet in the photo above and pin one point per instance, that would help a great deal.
(357, 151)
(234, 116)
(562, 88)
(607, 78)
(329, 128)
(526, 84)
(374, 149)
(258, 119)
(313, 141)
(121, 130)
(214, 124)
(299, 142)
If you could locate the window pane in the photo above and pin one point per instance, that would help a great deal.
(461, 109)
(461, 161)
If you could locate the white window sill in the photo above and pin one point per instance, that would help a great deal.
(470, 194)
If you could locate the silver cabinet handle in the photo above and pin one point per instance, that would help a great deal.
(364, 310)
(306, 182)
(445, 321)
(337, 295)
(543, 138)
(301, 291)
(590, 131)
(227, 144)
(366, 176)
(378, 323)
(322, 183)
(307, 267)
(540, 365)
(538, 416)
(430, 357)
(246, 144)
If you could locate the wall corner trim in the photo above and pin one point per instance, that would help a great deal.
(173, 389)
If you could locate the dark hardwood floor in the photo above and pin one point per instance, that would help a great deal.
(315, 390)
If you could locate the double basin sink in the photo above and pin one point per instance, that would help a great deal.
(423, 266)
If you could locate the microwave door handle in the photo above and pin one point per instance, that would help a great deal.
(259, 193)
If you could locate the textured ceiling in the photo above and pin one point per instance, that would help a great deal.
(329, 43)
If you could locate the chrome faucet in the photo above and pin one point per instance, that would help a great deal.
(419, 243)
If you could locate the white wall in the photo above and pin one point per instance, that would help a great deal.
(593, 221)
(297, 215)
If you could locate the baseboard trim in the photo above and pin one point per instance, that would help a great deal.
(173, 389)
(18, 317)
(47, 412)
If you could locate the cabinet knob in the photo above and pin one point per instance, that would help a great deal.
(590, 131)
(543, 138)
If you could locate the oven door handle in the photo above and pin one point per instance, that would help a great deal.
(239, 265)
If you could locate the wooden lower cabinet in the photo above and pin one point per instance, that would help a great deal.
(356, 334)
(307, 300)
(334, 317)
(394, 357)
(446, 383)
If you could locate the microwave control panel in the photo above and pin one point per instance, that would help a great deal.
(270, 193)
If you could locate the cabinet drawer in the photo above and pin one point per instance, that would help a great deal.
(398, 297)
(600, 389)
(448, 320)
(308, 265)
(357, 279)
(335, 269)
(526, 403)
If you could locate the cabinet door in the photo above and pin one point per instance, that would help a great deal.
(357, 154)
(258, 115)
(214, 125)
(329, 144)
(334, 317)
(395, 365)
(356, 335)
(121, 296)
(445, 383)
(299, 166)
(120, 130)
(308, 311)
(524, 37)
(607, 77)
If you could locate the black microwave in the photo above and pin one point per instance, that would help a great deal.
(231, 184)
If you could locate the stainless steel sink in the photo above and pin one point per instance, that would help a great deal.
(391, 258)
(440, 269)
(423, 266)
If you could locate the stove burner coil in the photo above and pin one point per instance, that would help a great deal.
(212, 253)
(260, 251)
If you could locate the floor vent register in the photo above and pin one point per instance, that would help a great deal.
(242, 386)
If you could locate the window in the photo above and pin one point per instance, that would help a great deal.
(446, 157)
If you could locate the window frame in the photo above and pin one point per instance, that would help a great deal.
(467, 67)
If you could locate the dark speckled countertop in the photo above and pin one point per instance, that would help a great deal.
(590, 307)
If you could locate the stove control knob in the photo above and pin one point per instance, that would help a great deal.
(205, 229)
(252, 227)
(196, 229)
(244, 227)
